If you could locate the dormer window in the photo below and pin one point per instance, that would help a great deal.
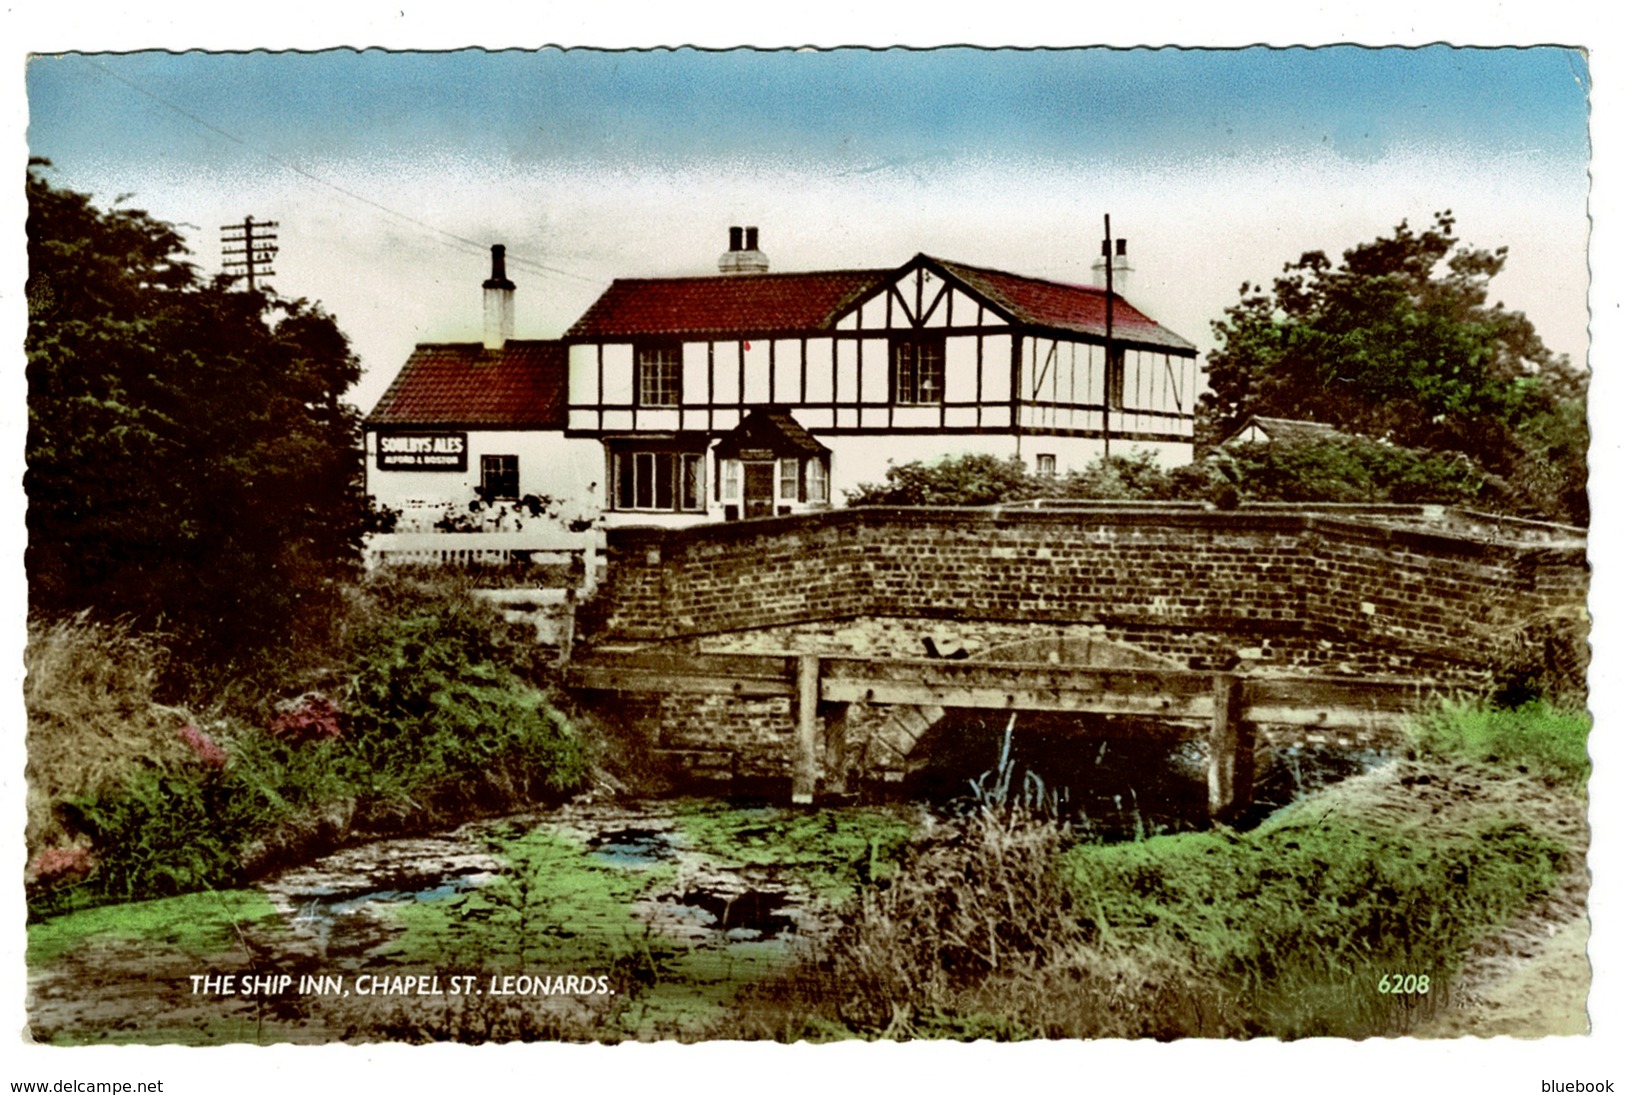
(917, 367)
(660, 376)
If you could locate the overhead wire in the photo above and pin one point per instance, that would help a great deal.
(475, 245)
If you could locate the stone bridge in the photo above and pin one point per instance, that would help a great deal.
(1247, 626)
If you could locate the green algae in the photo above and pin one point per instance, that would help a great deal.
(199, 924)
(556, 907)
(832, 852)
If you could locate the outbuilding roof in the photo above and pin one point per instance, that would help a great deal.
(521, 386)
(1288, 431)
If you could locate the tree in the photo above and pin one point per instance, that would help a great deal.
(1399, 343)
(190, 464)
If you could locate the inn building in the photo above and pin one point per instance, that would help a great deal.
(749, 393)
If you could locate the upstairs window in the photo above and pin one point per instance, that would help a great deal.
(660, 376)
(918, 368)
(499, 477)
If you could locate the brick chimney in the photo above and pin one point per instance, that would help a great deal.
(1121, 270)
(498, 301)
(742, 255)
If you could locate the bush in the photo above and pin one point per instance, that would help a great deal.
(972, 479)
(1351, 470)
(435, 720)
(1536, 738)
(429, 704)
(161, 834)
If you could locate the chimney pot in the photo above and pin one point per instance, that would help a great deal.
(742, 256)
(1122, 247)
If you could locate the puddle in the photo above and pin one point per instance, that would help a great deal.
(745, 917)
(633, 847)
(348, 922)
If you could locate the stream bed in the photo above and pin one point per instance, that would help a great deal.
(633, 918)
(622, 919)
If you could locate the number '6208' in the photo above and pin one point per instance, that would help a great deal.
(1398, 984)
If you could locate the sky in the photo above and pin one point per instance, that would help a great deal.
(391, 173)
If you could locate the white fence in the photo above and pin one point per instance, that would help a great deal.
(582, 551)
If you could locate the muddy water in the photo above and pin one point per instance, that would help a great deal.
(607, 920)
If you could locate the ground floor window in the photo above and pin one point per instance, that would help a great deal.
(817, 481)
(1046, 463)
(499, 477)
(672, 481)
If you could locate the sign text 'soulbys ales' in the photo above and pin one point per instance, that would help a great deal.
(423, 451)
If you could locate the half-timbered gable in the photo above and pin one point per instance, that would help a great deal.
(931, 358)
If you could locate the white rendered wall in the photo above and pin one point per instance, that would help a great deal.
(550, 464)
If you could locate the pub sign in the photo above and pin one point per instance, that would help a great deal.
(423, 452)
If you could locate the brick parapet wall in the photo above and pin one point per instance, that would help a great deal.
(1300, 581)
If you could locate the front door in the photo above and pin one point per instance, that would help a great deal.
(759, 479)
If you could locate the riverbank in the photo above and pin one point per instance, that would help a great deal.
(714, 921)
(1371, 907)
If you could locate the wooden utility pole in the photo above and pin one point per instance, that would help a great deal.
(1110, 377)
(255, 248)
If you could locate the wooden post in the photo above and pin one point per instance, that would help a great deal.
(567, 626)
(804, 761)
(835, 758)
(1229, 772)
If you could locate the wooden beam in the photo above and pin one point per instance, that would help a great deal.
(1334, 703)
(744, 675)
(1018, 686)
(1330, 702)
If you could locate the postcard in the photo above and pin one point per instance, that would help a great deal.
(1067, 549)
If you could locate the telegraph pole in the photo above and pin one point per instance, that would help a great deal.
(255, 248)
(1106, 389)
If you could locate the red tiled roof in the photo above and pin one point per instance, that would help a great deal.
(1058, 305)
(464, 384)
(731, 304)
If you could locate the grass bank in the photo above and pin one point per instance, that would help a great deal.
(431, 715)
(1349, 914)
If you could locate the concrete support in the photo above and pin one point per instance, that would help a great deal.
(1230, 750)
(804, 760)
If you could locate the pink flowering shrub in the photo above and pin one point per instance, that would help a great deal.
(203, 747)
(311, 717)
(58, 864)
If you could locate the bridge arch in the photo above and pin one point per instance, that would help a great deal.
(890, 741)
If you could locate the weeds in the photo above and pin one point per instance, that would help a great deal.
(92, 716)
(435, 723)
(1536, 738)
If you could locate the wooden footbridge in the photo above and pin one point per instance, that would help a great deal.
(826, 692)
